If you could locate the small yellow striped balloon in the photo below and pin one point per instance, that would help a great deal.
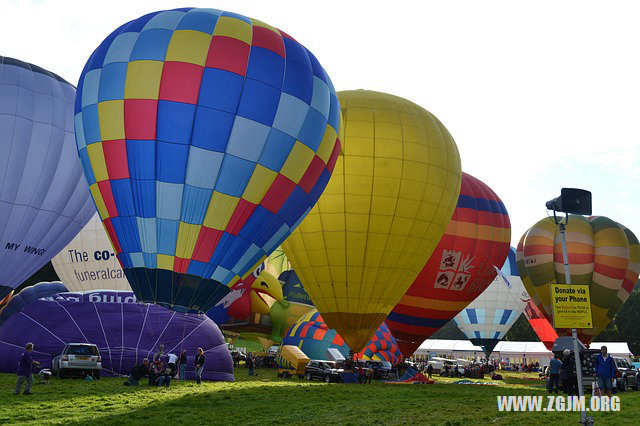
(602, 254)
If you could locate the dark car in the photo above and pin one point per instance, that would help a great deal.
(324, 370)
(380, 369)
(628, 375)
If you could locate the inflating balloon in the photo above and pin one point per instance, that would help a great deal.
(125, 332)
(490, 316)
(205, 136)
(541, 326)
(602, 254)
(390, 199)
(296, 303)
(277, 262)
(254, 294)
(88, 262)
(314, 337)
(29, 295)
(44, 198)
(462, 266)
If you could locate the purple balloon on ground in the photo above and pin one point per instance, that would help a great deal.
(125, 331)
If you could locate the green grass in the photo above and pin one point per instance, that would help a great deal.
(269, 400)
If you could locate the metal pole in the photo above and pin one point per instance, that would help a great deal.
(574, 333)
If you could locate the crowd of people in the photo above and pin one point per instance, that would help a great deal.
(165, 367)
(160, 370)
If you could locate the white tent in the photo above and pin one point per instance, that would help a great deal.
(515, 351)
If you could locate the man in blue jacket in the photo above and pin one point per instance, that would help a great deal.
(605, 370)
(25, 370)
(554, 374)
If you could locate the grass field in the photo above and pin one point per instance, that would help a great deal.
(268, 400)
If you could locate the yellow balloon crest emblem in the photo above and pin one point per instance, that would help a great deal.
(391, 196)
(602, 254)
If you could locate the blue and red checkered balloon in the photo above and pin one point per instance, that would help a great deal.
(206, 137)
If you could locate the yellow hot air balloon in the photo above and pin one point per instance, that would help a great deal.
(602, 254)
(392, 194)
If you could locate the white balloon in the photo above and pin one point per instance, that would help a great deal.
(89, 261)
(489, 317)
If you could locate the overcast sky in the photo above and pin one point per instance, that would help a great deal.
(537, 94)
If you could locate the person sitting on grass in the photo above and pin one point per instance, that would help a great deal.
(156, 369)
(137, 373)
(25, 370)
(165, 377)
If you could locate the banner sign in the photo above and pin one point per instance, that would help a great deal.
(571, 306)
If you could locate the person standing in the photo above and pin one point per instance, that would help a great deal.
(250, 364)
(25, 370)
(183, 365)
(554, 374)
(173, 364)
(605, 370)
(158, 355)
(199, 365)
(568, 372)
(429, 370)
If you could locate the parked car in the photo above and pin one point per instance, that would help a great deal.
(325, 370)
(78, 359)
(628, 375)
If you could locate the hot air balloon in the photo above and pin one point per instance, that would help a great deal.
(490, 316)
(391, 197)
(254, 294)
(277, 262)
(602, 254)
(44, 198)
(314, 337)
(28, 295)
(88, 262)
(541, 326)
(283, 314)
(125, 331)
(459, 270)
(205, 136)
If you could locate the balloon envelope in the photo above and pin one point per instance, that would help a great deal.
(541, 326)
(44, 198)
(89, 262)
(391, 196)
(314, 337)
(125, 332)
(459, 270)
(28, 295)
(490, 316)
(205, 137)
(602, 254)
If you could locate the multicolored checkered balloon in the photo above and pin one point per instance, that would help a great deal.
(206, 137)
(312, 335)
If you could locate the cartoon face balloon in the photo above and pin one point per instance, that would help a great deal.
(44, 199)
(389, 201)
(205, 136)
(602, 254)
(462, 266)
